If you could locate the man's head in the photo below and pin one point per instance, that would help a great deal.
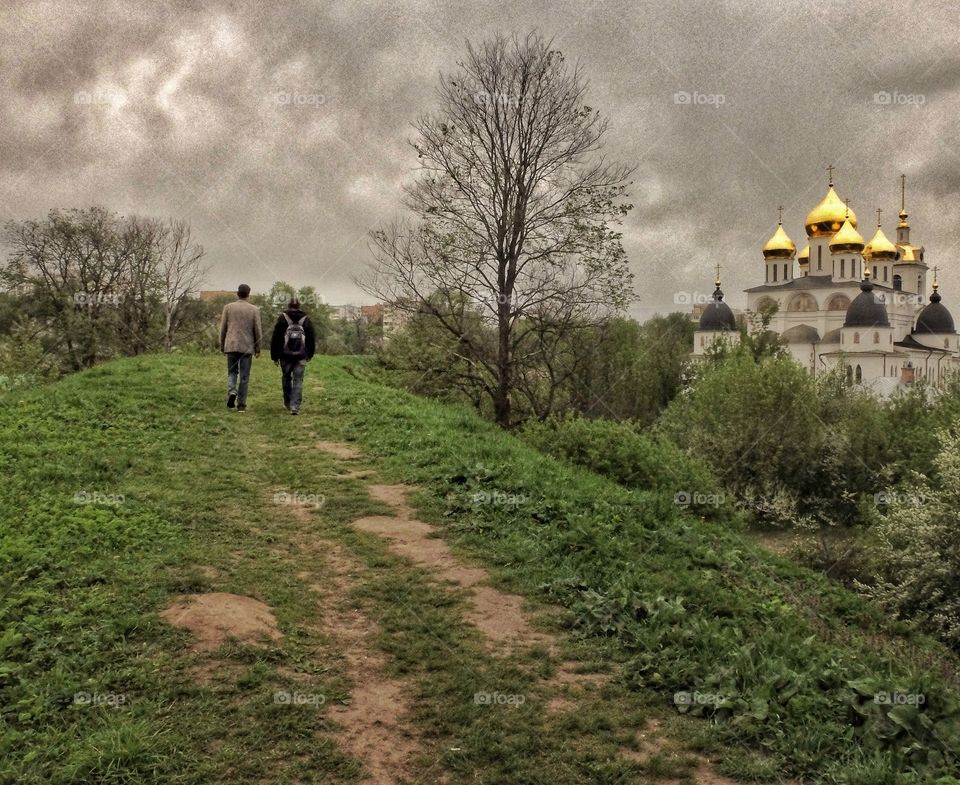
(243, 291)
(294, 304)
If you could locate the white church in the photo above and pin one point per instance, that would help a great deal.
(843, 301)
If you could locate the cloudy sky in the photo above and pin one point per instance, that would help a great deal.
(282, 132)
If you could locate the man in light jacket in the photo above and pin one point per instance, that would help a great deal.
(241, 334)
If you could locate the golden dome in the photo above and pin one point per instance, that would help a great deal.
(779, 246)
(828, 216)
(847, 240)
(804, 256)
(879, 248)
(910, 253)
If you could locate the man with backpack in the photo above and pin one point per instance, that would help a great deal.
(292, 346)
(240, 336)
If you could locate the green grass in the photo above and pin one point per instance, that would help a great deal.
(664, 601)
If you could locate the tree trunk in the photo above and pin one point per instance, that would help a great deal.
(501, 398)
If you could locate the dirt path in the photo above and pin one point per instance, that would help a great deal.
(374, 726)
(373, 730)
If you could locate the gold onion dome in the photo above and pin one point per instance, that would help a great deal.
(779, 246)
(880, 248)
(828, 216)
(847, 240)
(804, 256)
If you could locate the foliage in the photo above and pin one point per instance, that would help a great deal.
(916, 554)
(633, 458)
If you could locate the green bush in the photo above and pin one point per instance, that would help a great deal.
(632, 458)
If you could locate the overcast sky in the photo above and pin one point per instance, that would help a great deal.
(281, 132)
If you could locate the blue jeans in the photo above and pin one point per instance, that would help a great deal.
(238, 364)
(293, 383)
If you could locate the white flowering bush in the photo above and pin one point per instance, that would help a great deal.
(917, 544)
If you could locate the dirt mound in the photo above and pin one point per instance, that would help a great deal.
(217, 616)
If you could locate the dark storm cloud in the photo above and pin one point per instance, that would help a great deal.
(281, 132)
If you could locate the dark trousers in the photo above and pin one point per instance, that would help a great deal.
(293, 383)
(238, 375)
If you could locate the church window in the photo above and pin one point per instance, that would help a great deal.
(838, 302)
(819, 257)
(897, 283)
(859, 374)
(802, 301)
(886, 271)
(946, 343)
(876, 337)
(849, 374)
(784, 272)
(843, 268)
(874, 272)
(919, 284)
(774, 273)
(856, 337)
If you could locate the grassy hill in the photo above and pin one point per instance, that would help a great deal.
(131, 484)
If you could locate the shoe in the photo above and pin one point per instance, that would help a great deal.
(294, 411)
(241, 409)
(231, 400)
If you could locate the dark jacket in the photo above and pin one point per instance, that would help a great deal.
(280, 329)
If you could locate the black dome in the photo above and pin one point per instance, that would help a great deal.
(717, 315)
(935, 318)
(867, 309)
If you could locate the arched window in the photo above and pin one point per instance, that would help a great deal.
(849, 374)
(774, 273)
(838, 302)
(886, 272)
(875, 273)
(946, 343)
(802, 301)
(859, 374)
(856, 337)
(897, 283)
(819, 257)
(876, 337)
(843, 268)
(785, 271)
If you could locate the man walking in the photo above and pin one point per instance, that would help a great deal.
(291, 347)
(241, 334)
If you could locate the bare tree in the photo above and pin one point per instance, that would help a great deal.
(181, 273)
(512, 211)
